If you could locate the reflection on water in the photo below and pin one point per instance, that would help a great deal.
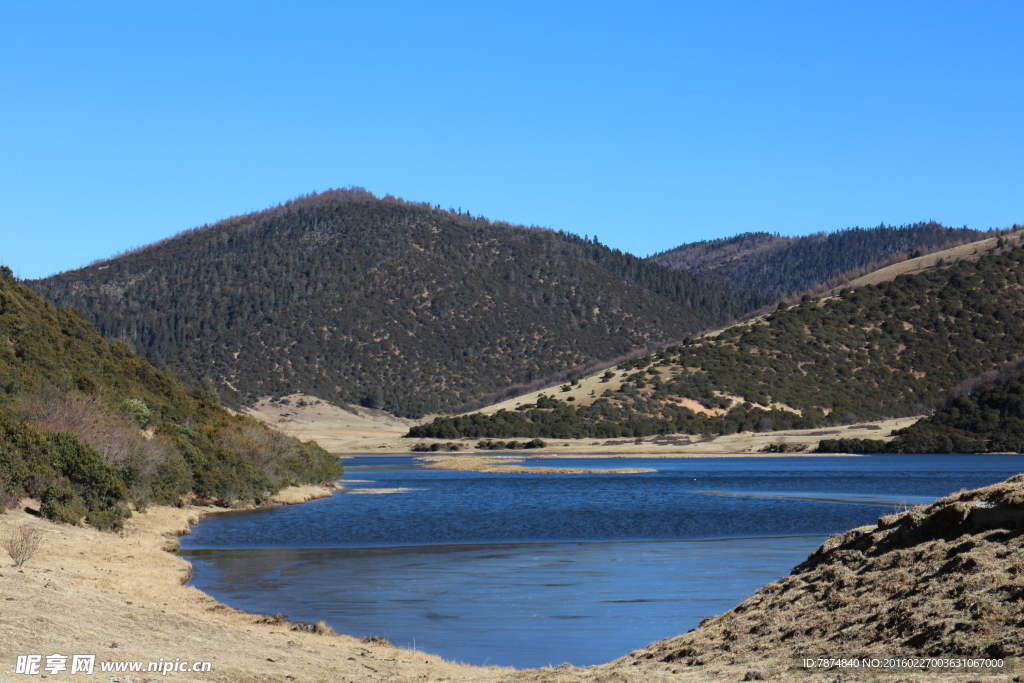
(531, 569)
(508, 604)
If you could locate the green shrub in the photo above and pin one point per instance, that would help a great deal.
(13, 472)
(108, 519)
(61, 504)
(136, 410)
(853, 446)
(435, 447)
(100, 484)
(170, 481)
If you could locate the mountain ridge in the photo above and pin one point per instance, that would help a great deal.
(389, 303)
(783, 267)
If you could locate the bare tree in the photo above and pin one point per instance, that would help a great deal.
(22, 542)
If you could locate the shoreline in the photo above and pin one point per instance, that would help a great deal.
(125, 597)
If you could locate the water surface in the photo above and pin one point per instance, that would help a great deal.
(526, 570)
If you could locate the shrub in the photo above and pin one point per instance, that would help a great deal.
(489, 445)
(852, 446)
(114, 435)
(96, 489)
(137, 411)
(8, 501)
(206, 390)
(435, 447)
(101, 485)
(108, 519)
(61, 504)
(22, 543)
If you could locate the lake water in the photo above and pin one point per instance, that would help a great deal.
(526, 570)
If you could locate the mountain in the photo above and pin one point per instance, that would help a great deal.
(782, 267)
(397, 305)
(86, 425)
(887, 350)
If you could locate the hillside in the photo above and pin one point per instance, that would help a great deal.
(356, 299)
(983, 414)
(887, 350)
(781, 267)
(86, 425)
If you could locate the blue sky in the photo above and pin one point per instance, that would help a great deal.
(647, 124)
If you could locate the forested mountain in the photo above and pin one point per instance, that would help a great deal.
(785, 266)
(404, 306)
(887, 350)
(86, 425)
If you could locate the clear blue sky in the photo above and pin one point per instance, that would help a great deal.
(648, 124)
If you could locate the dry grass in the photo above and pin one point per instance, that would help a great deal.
(293, 495)
(336, 429)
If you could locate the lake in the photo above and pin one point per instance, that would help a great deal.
(530, 569)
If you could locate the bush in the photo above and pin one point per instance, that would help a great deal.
(852, 446)
(8, 501)
(101, 485)
(21, 457)
(490, 445)
(22, 543)
(435, 447)
(171, 480)
(61, 504)
(206, 390)
(136, 410)
(96, 489)
(108, 519)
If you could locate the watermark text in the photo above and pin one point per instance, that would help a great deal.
(37, 665)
